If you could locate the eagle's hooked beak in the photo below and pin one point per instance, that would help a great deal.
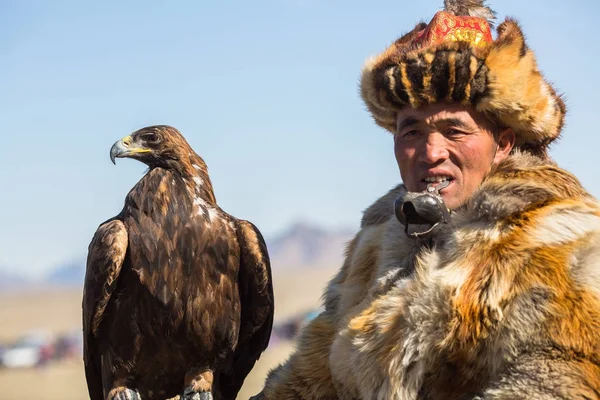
(125, 148)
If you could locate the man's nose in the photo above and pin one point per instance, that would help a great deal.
(435, 149)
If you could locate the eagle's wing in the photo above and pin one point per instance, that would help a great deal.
(257, 305)
(106, 253)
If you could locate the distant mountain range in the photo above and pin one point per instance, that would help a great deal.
(307, 246)
(302, 245)
(9, 280)
(69, 274)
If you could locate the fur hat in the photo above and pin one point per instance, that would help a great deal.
(454, 59)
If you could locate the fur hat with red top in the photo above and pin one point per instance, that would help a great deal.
(454, 59)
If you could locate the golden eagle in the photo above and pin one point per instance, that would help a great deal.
(178, 295)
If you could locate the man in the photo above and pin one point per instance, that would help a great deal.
(498, 298)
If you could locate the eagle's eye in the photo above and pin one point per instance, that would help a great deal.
(151, 138)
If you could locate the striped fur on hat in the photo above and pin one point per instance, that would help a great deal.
(499, 78)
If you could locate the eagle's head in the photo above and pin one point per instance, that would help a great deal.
(155, 146)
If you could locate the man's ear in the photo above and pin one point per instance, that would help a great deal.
(505, 143)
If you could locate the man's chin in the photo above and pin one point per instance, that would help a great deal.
(449, 196)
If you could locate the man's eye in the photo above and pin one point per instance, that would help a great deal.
(453, 132)
(407, 135)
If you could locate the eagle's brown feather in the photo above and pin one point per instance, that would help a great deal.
(256, 292)
(106, 254)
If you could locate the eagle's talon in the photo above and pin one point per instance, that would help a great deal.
(125, 394)
(190, 394)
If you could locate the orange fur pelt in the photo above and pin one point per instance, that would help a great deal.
(504, 304)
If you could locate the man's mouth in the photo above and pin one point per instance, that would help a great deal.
(436, 181)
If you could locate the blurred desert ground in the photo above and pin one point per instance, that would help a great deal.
(58, 311)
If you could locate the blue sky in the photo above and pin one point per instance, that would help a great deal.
(265, 91)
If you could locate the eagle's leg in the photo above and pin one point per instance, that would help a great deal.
(198, 385)
(123, 393)
(117, 385)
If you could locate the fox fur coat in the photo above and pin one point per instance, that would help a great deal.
(504, 303)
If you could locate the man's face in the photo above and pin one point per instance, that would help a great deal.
(448, 142)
